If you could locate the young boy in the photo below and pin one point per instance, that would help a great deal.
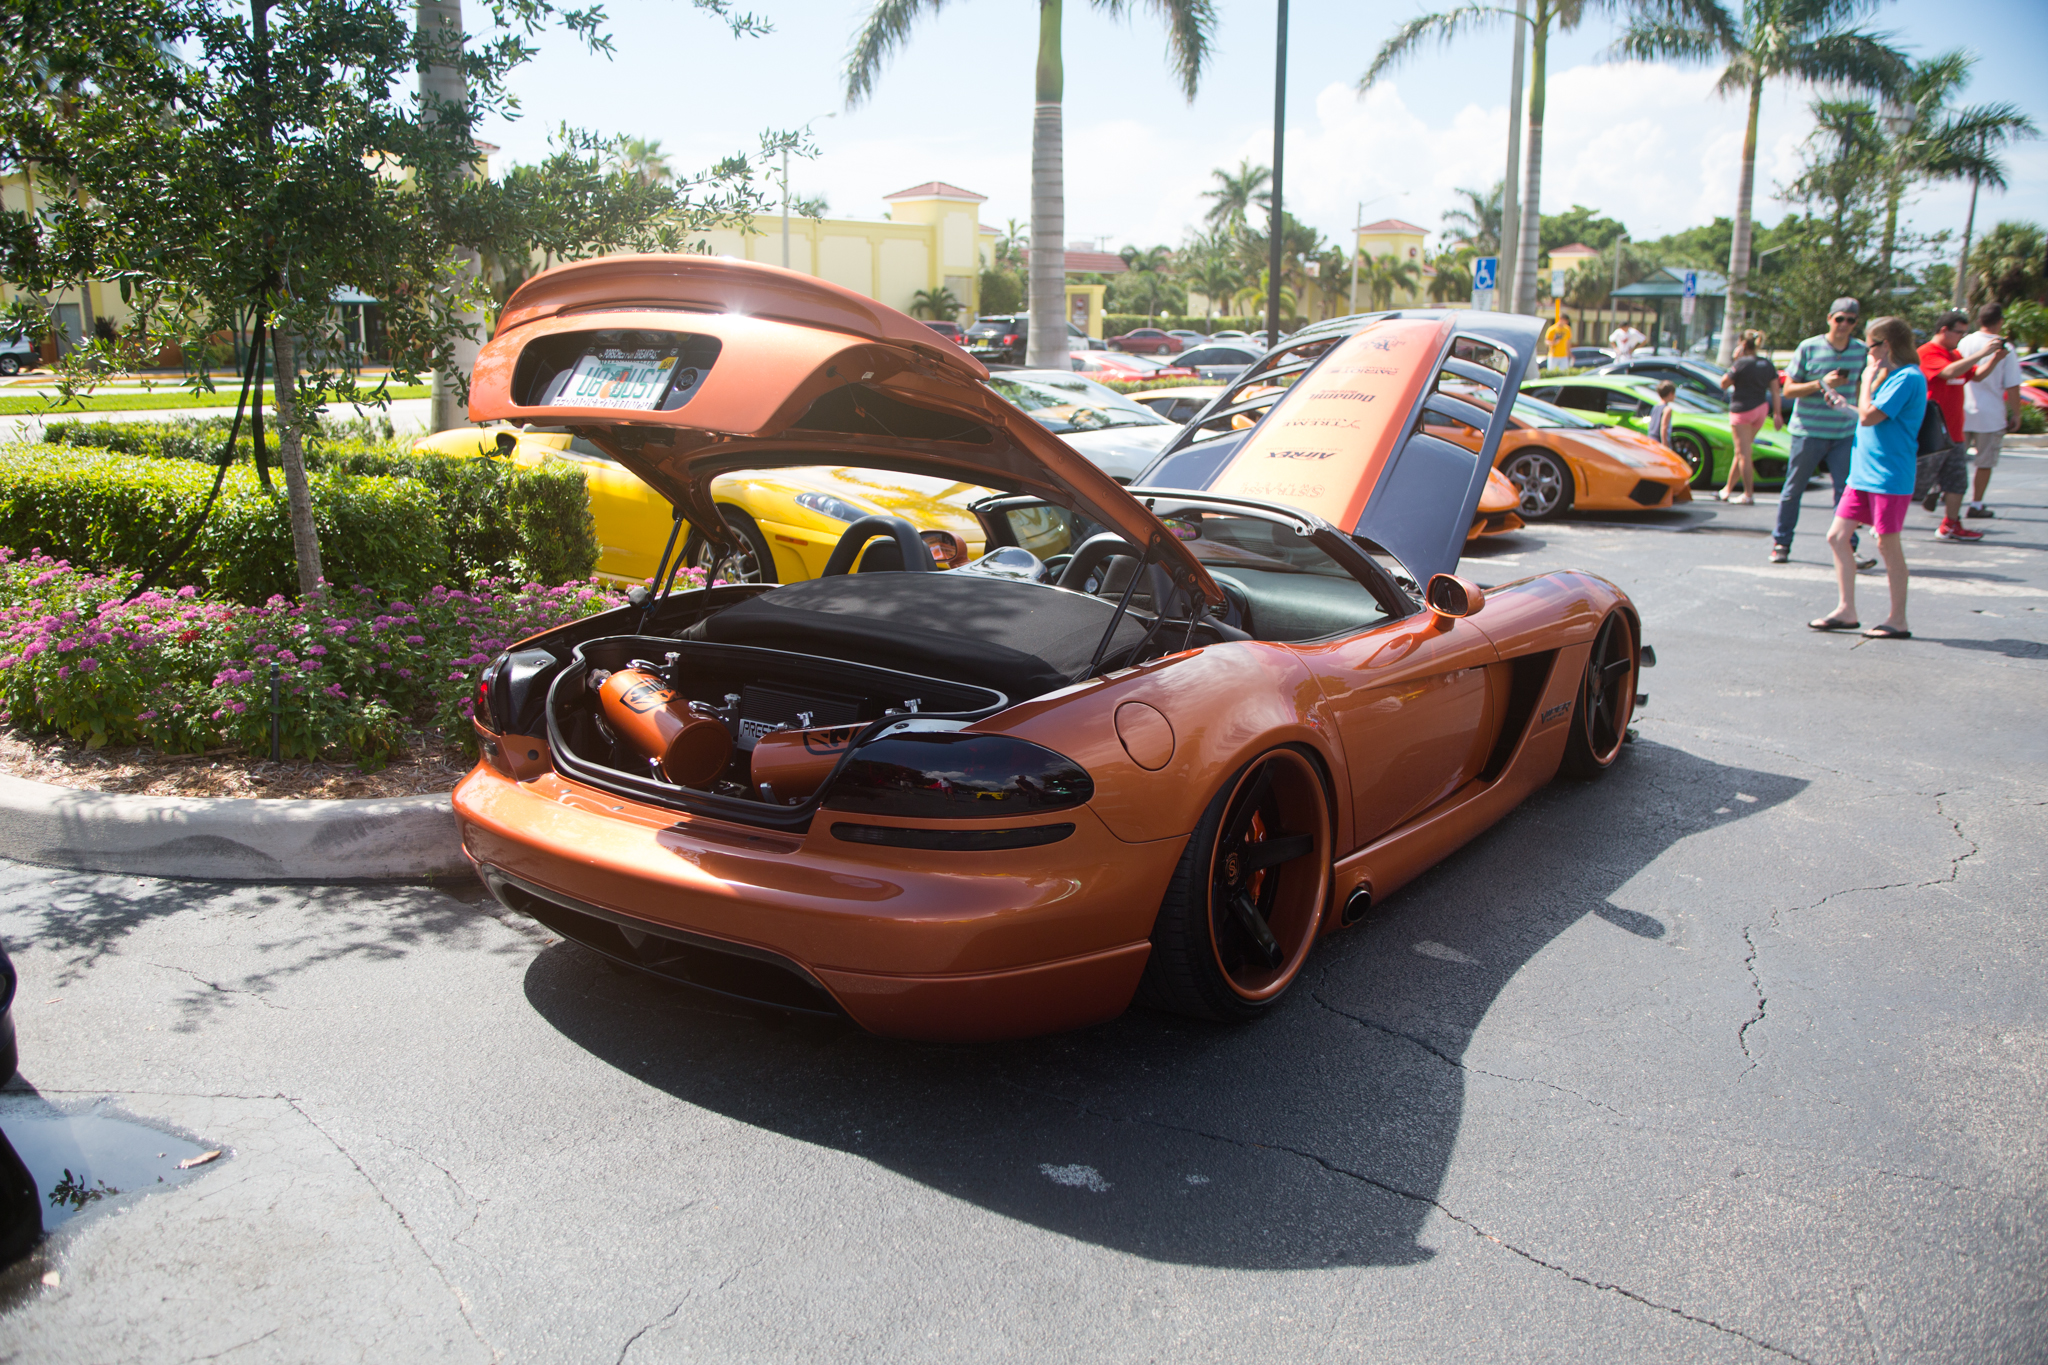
(1660, 416)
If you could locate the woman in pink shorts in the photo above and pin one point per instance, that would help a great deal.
(1889, 405)
(1754, 392)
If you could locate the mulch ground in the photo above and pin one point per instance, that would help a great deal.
(431, 765)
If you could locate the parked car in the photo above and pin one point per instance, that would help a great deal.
(1187, 337)
(1180, 404)
(1120, 436)
(994, 802)
(1218, 360)
(18, 353)
(1559, 460)
(1700, 378)
(1004, 339)
(1128, 368)
(1585, 357)
(950, 331)
(1147, 341)
(1229, 334)
(1699, 429)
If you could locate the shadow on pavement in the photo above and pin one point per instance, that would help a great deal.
(2011, 649)
(1318, 1136)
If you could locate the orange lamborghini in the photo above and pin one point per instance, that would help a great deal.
(1557, 460)
(1151, 744)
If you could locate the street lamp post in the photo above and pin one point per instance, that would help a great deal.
(1615, 284)
(785, 190)
(1279, 150)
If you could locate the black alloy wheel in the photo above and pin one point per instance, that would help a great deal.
(755, 562)
(1245, 904)
(1606, 701)
(1697, 457)
(1543, 481)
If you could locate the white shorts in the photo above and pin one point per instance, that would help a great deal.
(1984, 447)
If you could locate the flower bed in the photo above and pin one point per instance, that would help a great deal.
(186, 673)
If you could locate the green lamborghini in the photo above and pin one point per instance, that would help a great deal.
(1699, 429)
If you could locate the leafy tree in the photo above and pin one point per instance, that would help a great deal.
(1190, 25)
(1452, 281)
(230, 167)
(1760, 41)
(1144, 287)
(1235, 194)
(1593, 283)
(1001, 292)
(1579, 224)
(1209, 266)
(1544, 18)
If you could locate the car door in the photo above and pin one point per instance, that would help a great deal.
(1413, 706)
(632, 520)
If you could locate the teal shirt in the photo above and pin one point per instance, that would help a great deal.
(1811, 416)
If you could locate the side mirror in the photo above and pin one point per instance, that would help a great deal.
(1451, 596)
(507, 443)
(948, 550)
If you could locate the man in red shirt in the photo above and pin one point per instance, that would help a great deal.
(1945, 474)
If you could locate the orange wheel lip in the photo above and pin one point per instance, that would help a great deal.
(1282, 976)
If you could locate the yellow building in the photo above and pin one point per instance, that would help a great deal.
(78, 307)
(1403, 240)
(933, 239)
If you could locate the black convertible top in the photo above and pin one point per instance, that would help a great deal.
(1022, 639)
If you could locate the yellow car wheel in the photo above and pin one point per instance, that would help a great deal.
(755, 563)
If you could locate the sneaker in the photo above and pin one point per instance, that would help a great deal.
(1978, 509)
(1933, 497)
(1780, 554)
(1866, 564)
(1955, 530)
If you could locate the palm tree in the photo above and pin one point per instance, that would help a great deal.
(934, 303)
(1930, 141)
(1207, 266)
(1545, 16)
(1478, 220)
(1190, 24)
(1250, 301)
(1147, 271)
(1384, 276)
(1762, 41)
(643, 160)
(1235, 193)
(1453, 278)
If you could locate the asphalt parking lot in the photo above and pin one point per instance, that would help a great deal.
(1736, 1055)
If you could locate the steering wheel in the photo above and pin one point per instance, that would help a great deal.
(917, 556)
(1090, 556)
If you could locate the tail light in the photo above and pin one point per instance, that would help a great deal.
(1011, 339)
(957, 775)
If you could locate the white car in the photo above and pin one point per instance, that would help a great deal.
(1120, 436)
(18, 353)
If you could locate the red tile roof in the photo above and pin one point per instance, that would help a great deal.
(931, 189)
(1393, 225)
(1579, 247)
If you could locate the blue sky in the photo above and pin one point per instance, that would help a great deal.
(1651, 146)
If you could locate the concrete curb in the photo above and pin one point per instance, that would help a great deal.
(407, 838)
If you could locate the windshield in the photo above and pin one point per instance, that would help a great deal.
(1538, 413)
(1063, 405)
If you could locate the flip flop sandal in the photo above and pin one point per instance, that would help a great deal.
(1887, 633)
(1830, 623)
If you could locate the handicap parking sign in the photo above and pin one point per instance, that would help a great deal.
(1484, 271)
(1692, 283)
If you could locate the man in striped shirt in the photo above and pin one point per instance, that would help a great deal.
(1823, 422)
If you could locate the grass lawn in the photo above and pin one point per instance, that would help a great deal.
(39, 405)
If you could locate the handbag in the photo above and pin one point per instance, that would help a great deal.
(1934, 437)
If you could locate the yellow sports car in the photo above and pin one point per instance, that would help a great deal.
(789, 519)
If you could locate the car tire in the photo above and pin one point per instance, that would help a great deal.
(1697, 454)
(1544, 481)
(9, 366)
(1233, 931)
(756, 563)
(1605, 703)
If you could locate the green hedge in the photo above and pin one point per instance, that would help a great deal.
(500, 521)
(101, 509)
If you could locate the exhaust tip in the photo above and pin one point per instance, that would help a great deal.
(1355, 906)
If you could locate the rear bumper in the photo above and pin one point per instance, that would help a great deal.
(907, 942)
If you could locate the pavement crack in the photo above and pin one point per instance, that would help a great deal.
(230, 1350)
(216, 987)
(1457, 1062)
(1955, 864)
(665, 1317)
(1756, 984)
(1468, 1224)
(461, 1300)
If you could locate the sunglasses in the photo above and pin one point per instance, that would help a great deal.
(1843, 317)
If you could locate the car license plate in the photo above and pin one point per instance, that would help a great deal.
(613, 377)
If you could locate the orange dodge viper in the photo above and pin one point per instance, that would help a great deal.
(1152, 744)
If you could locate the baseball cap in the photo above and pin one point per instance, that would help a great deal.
(1845, 305)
